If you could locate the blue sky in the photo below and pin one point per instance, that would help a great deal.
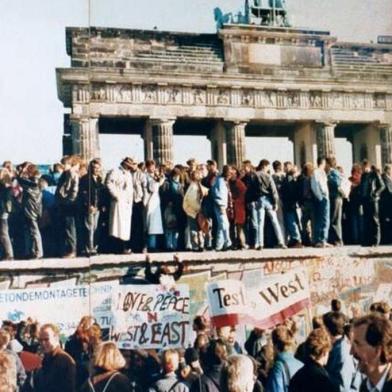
(32, 42)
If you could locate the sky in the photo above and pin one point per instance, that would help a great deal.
(32, 42)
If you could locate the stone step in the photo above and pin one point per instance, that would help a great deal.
(177, 61)
(178, 58)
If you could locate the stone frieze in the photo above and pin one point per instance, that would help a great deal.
(151, 94)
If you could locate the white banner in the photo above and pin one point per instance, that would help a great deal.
(147, 316)
(278, 297)
(62, 305)
(227, 302)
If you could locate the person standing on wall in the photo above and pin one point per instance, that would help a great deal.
(120, 185)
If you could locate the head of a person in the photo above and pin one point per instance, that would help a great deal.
(288, 166)
(71, 162)
(195, 176)
(381, 308)
(321, 162)
(128, 164)
(336, 305)
(5, 338)
(239, 374)
(366, 166)
(307, 169)
(108, 357)
(175, 174)
(192, 164)
(170, 361)
(331, 162)
(94, 167)
(372, 343)
(318, 346)
(191, 357)
(8, 166)
(388, 169)
(202, 169)
(5, 178)
(200, 324)
(49, 338)
(212, 166)
(334, 323)
(226, 172)
(150, 166)
(82, 330)
(247, 166)
(58, 168)
(277, 166)
(32, 171)
(224, 332)
(264, 165)
(317, 322)
(282, 339)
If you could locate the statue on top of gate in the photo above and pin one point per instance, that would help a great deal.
(256, 12)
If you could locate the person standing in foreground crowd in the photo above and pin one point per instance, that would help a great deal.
(108, 362)
(313, 377)
(285, 366)
(239, 374)
(169, 382)
(372, 347)
(58, 372)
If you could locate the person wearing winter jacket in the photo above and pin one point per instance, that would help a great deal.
(28, 179)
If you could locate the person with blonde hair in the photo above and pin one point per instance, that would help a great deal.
(7, 373)
(169, 382)
(239, 375)
(108, 361)
(81, 346)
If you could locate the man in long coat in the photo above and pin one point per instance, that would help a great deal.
(120, 185)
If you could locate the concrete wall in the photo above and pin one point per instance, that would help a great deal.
(353, 274)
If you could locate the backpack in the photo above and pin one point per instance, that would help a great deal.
(91, 385)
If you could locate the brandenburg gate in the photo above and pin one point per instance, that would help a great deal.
(245, 80)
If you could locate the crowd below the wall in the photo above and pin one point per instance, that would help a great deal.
(145, 207)
(338, 354)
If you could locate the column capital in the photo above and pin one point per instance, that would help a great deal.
(384, 126)
(162, 121)
(235, 121)
(327, 123)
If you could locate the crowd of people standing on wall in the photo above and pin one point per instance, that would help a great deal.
(338, 355)
(145, 207)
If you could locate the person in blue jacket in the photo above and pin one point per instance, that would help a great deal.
(286, 365)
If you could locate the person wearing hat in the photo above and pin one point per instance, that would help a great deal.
(120, 185)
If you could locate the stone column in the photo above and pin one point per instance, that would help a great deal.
(305, 144)
(235, 139)
(162, 139)
(325, 139)
(148, 144)
(85, 137)
(386, 143)
(367, 144)
(218, 144)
